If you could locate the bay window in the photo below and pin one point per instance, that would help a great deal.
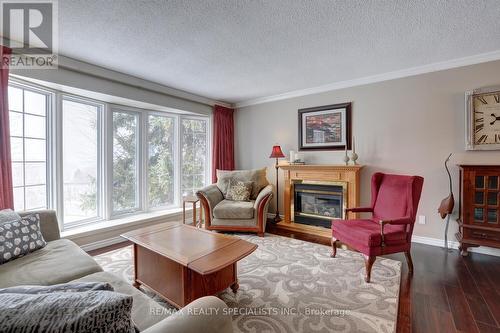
(161, 161)
(28, 137)
(81, 125)
(194, 139)
(92, 161)
(125, 178)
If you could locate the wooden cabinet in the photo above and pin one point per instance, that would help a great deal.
(479, 208)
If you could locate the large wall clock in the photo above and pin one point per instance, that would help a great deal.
(483, 119)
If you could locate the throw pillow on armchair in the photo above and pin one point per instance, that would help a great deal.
(257, 176)
(224, 214)
(239, 190)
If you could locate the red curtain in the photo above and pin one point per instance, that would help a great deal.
(223, 140)
(6, 193)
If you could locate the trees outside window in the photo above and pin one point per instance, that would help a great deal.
(125, 161)
(161, 177)
(194, 167)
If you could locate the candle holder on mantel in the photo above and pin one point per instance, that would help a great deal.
(354, 156)
(346, 158)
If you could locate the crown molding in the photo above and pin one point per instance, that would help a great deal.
(134, 81)
(434, 67)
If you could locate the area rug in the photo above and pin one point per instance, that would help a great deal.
(288, 285)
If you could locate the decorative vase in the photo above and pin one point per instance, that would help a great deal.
(354, 158)
(346, 159)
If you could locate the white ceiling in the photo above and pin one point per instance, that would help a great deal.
(237, 50)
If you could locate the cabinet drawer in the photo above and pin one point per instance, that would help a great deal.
(482, 234)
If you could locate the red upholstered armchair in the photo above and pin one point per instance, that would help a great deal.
(394, 206)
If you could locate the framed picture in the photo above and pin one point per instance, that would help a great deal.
(325, 127)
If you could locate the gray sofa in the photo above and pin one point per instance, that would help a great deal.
(63, 261)
(227, 215)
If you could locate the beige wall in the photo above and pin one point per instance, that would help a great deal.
(405, 126)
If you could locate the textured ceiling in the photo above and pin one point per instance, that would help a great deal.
(236, 50)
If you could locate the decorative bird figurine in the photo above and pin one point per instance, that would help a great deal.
(446, 207)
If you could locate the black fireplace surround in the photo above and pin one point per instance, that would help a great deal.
(318, 205)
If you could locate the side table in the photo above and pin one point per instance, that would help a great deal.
(194, 201)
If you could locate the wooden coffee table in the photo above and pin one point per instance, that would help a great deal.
(182, 263)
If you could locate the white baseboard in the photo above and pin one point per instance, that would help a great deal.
(433, 241)
(440, 243)
(454, 245)
(415, 239)
(102, 243)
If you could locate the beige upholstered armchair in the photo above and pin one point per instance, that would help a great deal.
(247, 216)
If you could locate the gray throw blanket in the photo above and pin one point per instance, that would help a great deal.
(75, 307)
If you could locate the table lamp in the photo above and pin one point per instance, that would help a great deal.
(277, 153)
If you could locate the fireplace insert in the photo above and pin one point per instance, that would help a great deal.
(318, 204)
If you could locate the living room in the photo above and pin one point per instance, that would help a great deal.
(235, 166)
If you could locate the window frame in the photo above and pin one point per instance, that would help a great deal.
(100, 182)
(49, 118)
(177, 171)
(139, 155)
(208, 162)
(104, 183)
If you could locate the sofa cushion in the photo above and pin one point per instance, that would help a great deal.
(257, 176)
(365, 232)
(247, 223)
(20, 237)
(58, 262)
(145, 311)
(227, 209)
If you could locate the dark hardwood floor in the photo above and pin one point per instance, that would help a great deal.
(447, 292)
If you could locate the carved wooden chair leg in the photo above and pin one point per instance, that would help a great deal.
(369, 260)
(409, 261)
(463, 250)
(334, 248)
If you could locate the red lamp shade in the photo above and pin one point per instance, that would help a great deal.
(277, 153)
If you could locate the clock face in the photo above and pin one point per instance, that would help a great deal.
(486, 118)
